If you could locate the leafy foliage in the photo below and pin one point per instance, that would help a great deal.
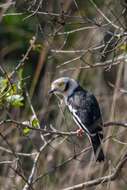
(11, 94)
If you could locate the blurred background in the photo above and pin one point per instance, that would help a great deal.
(41, 41)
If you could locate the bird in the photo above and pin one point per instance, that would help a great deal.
(85, 111)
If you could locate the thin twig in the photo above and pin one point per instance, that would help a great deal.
(116, 61)
(62, 164)
(57, 132)
(25, 57)
(18, 153)
(30, 179)
(104, 16)
(101, 180)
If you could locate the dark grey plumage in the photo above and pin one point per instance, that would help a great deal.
(86, 112)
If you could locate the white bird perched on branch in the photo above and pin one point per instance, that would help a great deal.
(85, 111)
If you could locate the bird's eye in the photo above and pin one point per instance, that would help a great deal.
(61, 84)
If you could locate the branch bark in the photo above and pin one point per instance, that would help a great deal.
(101, 180)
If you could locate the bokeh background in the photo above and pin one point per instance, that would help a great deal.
(40, 41)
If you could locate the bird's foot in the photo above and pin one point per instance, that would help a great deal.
(80, 132)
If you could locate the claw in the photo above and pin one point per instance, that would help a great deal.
(80, 132)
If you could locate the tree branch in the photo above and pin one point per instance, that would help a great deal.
(57, 132)
(100, 180)
(32, 173)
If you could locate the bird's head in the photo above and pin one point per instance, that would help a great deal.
(63, 86)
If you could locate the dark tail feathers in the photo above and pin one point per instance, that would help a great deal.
(96, 144)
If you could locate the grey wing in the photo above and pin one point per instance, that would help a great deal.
(86, 112)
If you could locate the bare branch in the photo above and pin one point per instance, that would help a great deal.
(104, 16)
(18, 153)
(4, 7)
(30, 179)
(25, 57)
(101, 180)
(8, 161)
(63, 163)
(116, 61)
(57, 132)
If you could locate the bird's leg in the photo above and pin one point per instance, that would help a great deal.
(80, 132)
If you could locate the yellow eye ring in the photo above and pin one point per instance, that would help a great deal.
(61, 84)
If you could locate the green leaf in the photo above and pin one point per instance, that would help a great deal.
(34, 122)
(20, 73)
(13, 89)
(20, 81)
(26, 131)
(15, 100)
(3, 84)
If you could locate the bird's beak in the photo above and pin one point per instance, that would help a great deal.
(51, 91)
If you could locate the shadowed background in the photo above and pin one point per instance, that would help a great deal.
(39, 42)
